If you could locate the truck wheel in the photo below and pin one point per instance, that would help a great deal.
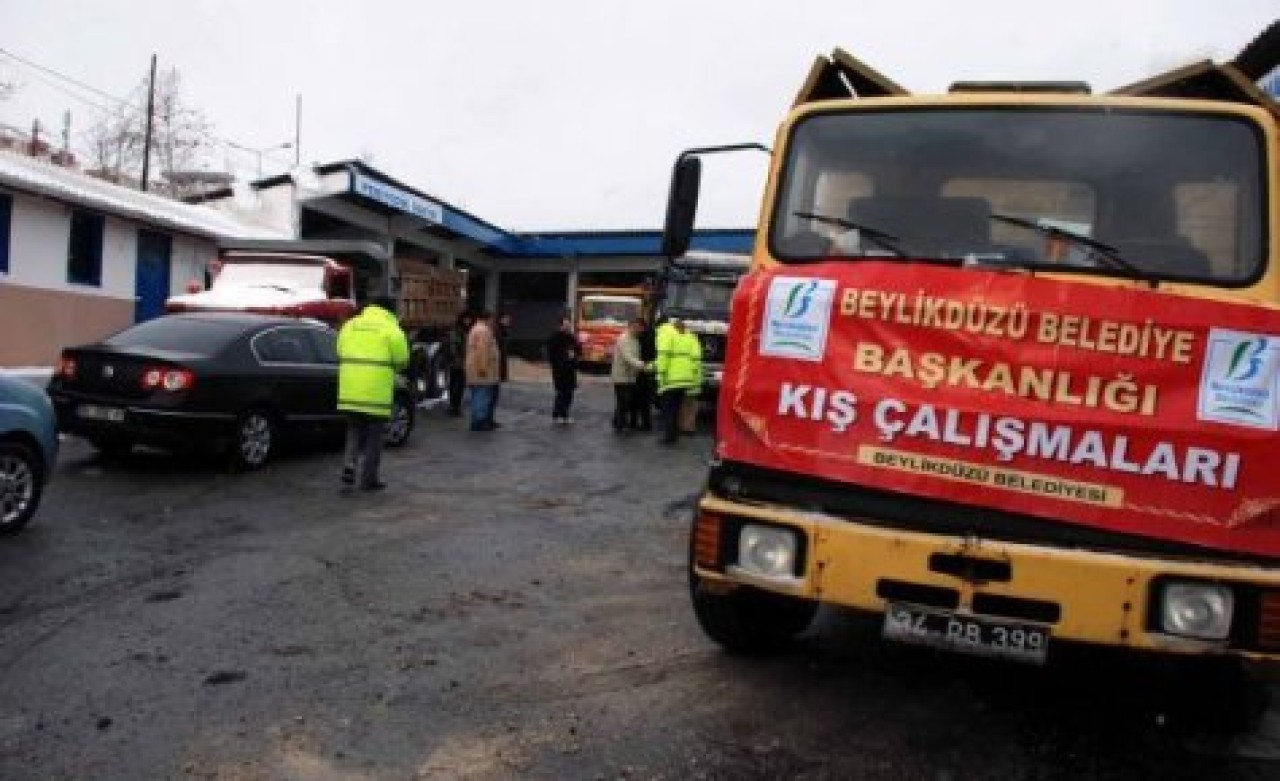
(21, 483)
(749, 621)
(254, 440)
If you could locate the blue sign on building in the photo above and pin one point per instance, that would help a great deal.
(396, 198)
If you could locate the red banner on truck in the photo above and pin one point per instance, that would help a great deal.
(1120, 408)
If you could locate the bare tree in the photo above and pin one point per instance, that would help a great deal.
(115, 145)
(179, 134)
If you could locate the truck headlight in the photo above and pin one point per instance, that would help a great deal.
(1199, 610)
(767, 550)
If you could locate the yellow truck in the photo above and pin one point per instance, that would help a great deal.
(1006, 370)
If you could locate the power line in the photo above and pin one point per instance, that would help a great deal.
(122, 105)
(60, 75)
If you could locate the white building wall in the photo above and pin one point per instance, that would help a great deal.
(38, 243)
(188, 262)
(119, 259)
(40, 235)
(272, 208)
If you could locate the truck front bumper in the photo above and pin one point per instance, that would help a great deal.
(1078, 595)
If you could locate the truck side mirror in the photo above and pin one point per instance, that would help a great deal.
(682, 206)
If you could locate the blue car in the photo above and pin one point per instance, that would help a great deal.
(28, 450)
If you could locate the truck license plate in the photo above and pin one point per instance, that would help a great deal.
(95, 412)
(966, 634)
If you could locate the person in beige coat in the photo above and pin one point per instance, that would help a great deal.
(627, 367)
(483, 369)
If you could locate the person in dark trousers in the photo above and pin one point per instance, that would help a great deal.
(483, 373)
(679, 369)
(646, 384)
(457, 358)
(504, 345)
(627, 368)
(562, 353)
(502, 332)
(371, 350)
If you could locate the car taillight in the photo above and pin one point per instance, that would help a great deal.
(168, 379)
(67, 367)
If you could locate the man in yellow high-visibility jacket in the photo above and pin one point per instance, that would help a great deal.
(679, 370)
(372, 349)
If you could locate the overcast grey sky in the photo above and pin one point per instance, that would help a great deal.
(568, 113)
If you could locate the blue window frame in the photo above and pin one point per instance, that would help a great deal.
(84, 249)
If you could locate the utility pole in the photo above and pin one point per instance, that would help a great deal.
(297, 133)
(146, 134)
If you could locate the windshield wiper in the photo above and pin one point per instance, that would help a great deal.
(1098, 249)
(885, 240)
(274, 286)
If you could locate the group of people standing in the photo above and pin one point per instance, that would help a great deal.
(372, 350)
(667, 362)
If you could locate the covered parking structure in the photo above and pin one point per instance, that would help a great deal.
(533, 276)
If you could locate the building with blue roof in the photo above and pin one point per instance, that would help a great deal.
(533, 275)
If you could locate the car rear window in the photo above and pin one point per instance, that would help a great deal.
(197, 336)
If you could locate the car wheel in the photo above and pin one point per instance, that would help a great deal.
(110, 446)
(21, 484)
(400, 424)
(254, 440)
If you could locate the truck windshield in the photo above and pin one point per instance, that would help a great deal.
(710, 297)
(611, 310)
(1164, 194)
(292, 276)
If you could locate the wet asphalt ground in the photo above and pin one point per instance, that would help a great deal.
(513, 606)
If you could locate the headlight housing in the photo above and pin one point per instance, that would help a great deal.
(767, 551)
(1199, 610)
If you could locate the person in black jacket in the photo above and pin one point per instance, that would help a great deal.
(646, 385)
(457, 361)
(562, 353)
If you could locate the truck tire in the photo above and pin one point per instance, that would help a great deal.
(749, 621)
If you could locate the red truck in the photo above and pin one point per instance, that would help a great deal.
(296, 280)
(276, 283)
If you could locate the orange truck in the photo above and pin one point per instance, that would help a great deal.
(601, 316)
(1005, 373)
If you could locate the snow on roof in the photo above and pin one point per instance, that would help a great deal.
(42, 178)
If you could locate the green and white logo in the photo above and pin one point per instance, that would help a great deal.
(1240, 382)
(797, 318)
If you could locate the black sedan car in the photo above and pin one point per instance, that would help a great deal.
(236, 382)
